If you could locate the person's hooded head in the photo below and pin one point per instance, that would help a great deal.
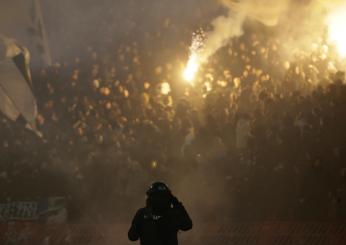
(158, 198)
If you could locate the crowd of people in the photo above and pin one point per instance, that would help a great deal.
(257, 136)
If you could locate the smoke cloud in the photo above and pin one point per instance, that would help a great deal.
(227, 27)
(302, 21)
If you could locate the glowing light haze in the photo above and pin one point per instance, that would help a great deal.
(337, 29)
(329, 14)
(228, 26)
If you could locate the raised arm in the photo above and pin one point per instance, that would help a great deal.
(184, 221)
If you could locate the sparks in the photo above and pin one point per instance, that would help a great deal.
(337, 31)
(194, 61)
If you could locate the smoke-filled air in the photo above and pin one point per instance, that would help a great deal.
(166, 122)
(305, 21)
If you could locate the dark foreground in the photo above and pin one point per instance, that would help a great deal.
(266, 233)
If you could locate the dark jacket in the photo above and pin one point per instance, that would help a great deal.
(159, 229)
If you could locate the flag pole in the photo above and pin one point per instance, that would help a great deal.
(47, 55)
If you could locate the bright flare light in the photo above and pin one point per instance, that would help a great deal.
(191, 68)
(337, 29)
(194, 62)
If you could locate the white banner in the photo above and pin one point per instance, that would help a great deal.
(50, 210)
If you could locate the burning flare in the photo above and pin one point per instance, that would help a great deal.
(337, 29)
(194, 61)
(191, 68)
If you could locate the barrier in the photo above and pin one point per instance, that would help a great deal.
(268, 233)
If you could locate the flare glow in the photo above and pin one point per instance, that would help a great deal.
(337, 29)
(191, 68)
(195, 60)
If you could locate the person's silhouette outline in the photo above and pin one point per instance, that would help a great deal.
(159, 222)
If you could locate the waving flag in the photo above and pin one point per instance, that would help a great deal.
(17, 101)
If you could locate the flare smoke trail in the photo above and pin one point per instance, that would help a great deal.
(267, 12)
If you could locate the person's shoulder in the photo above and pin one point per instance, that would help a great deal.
(140, 214)
(141, 211)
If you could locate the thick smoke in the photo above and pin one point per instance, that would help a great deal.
(224, 28)
(300, 23)
(267, 12)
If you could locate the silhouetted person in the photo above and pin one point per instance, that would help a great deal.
(159, 222)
